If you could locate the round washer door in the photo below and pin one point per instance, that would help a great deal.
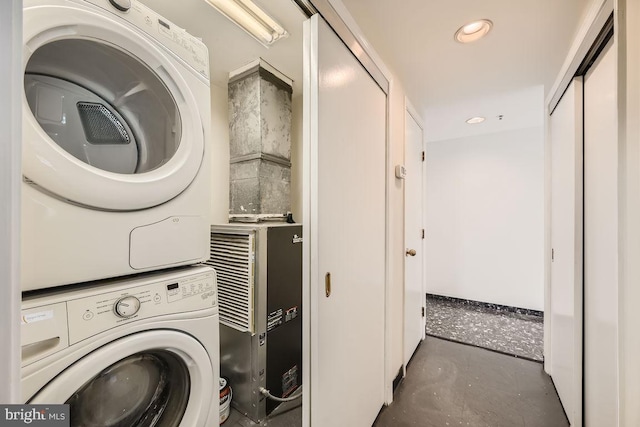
(157, 378)
(109, 122)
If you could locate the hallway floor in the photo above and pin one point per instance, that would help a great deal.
(518, 332)
(451, 384)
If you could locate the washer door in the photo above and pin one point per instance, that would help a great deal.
(157, 378)
(109, 121)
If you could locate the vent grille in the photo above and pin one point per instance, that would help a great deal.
(233, 257)
(100, 125)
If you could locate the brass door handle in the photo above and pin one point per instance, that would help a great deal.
(410, 252)
(327, 285)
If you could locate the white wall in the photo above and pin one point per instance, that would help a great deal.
(396, 247)
(485, 218)
(10, 179)
(219, 154)
(296, 157)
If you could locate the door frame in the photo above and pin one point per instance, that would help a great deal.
(411, 111)
(10, 179)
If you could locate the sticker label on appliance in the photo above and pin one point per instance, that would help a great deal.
(274, 319)
(291, 314)
(37, 317)
(290, 381)
(296, 239)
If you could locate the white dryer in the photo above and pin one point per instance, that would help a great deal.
(126, 353)
(116, 137)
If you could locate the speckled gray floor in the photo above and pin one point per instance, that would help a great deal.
(518, 334)
(451, 384)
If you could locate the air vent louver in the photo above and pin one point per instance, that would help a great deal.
(233, 256)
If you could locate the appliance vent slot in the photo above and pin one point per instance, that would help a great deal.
(100, 125)
(233, 257)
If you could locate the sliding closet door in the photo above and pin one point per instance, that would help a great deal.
(601, 242)
(566, 241)
(344, 220)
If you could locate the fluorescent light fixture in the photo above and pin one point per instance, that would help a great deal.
(252, 19)
(475, 120)
(473, 31)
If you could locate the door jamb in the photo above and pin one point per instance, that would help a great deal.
(410, 110)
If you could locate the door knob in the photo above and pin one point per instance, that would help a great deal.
(411, 252)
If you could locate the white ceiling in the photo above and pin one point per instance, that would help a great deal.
(506, 73)
(449, 82)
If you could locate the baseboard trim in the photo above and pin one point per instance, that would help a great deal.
(398, 379)
(517, 356)
(491, 306)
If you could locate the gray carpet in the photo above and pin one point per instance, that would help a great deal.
(491, 327)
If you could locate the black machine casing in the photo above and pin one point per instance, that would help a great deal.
(267, 350)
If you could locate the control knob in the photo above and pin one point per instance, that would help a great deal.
(121, 5)
(127, 306)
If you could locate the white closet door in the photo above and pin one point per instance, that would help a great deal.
(344, 222)
(566, 241)
(414, 294)
(601, 242)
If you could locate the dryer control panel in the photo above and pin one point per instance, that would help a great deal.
(187, 47)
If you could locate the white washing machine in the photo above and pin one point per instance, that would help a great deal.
(116, 136)
(126, 353)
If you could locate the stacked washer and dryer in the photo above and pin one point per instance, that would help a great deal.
(118, 321)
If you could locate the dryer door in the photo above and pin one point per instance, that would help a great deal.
(110, 119)
(158, 378)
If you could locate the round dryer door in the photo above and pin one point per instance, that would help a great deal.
(150, 379)
(110, 118)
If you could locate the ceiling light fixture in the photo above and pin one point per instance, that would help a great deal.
(473, 31)
(475, 120)
(252, 19)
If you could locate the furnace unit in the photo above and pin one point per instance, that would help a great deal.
(259, 269)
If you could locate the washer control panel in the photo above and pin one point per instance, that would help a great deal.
(189, 48)
(118, 305)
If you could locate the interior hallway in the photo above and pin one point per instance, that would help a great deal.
(451, 384)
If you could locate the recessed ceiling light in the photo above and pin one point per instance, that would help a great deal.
(475, 120)
(473, 31)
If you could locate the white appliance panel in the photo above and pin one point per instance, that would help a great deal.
(171, 332)
(83, 223)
